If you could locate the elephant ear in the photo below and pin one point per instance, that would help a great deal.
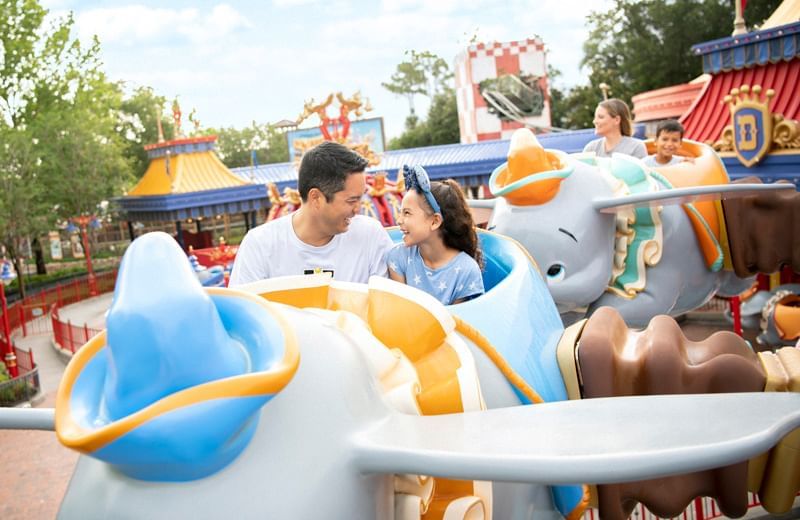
(684, 196)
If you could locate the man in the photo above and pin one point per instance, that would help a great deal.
(326, 234)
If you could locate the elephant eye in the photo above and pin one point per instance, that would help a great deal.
(556, 272)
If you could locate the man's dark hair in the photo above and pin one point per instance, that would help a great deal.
(670, 125)
(326, 167)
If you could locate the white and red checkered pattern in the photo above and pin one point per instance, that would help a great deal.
(490, 60)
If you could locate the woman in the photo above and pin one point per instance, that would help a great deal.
(612, 122)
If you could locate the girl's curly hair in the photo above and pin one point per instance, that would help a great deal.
(458, 228)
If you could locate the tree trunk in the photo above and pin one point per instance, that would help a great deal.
(41, 267)
(18, 267)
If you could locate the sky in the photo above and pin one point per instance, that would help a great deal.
(259, 60)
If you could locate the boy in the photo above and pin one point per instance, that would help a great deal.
(669, 136)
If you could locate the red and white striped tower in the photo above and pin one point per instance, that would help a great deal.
(484, 61)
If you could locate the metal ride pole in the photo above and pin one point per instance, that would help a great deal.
(6, 276)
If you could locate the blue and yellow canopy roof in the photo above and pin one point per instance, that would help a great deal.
(186, 179)
(184, 166)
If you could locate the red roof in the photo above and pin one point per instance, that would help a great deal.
(705, 120)
(666, 103)
(181, 140)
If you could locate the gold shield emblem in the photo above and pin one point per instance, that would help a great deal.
(752, 123)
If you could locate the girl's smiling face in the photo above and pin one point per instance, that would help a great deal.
(417, 222)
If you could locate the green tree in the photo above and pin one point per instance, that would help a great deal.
(441, 126)
(277, 147)
(427, 74)
(408, 80)
(442, 119)
(424, 73)
(61, 153)
(138, 127)
(83, 154)
(21, 193)
(236, 146)
(636, 46)
(557, 96)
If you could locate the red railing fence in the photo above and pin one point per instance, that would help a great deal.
(38, 314)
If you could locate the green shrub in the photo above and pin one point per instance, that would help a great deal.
(16, 392)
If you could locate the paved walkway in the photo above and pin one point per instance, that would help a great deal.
(92, 312)
(35, 468)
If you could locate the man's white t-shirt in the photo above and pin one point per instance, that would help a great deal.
(273, 249)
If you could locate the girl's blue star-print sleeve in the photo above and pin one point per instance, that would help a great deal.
(473, 282)
(395, 259)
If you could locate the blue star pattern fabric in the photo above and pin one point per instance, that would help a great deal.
(458, 279)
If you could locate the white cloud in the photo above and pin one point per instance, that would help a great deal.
(292, 3)
(400, 5)
(242, 61)
(422, 7)
(142, 25)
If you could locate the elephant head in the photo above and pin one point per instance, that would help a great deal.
(546, 205)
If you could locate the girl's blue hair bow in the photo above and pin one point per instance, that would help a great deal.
(416, 178)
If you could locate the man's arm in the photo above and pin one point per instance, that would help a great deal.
(250, 264)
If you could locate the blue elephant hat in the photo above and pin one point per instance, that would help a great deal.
(172, 389)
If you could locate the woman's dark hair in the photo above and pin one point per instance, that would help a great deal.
(618, 108)
(458, 228)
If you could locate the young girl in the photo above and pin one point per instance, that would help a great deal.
(439, 253)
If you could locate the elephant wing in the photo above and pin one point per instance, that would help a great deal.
(684, 195)
(607, 440)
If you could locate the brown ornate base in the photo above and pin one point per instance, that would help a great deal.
(761, 230)
(617, 361)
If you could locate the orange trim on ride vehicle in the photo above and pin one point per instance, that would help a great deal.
(482, 343)
(301, 297)
(401, 323)
(787, 317)
(707, 169)
(582, 506)
(447, 490)
(440, 391)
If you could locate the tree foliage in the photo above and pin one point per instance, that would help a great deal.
(427, 74)
(138, 125)
(636, 46)
(423, 73)
(441, 126)
(21, 194)
(83, 155)
(60, 152)
(236, 147)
